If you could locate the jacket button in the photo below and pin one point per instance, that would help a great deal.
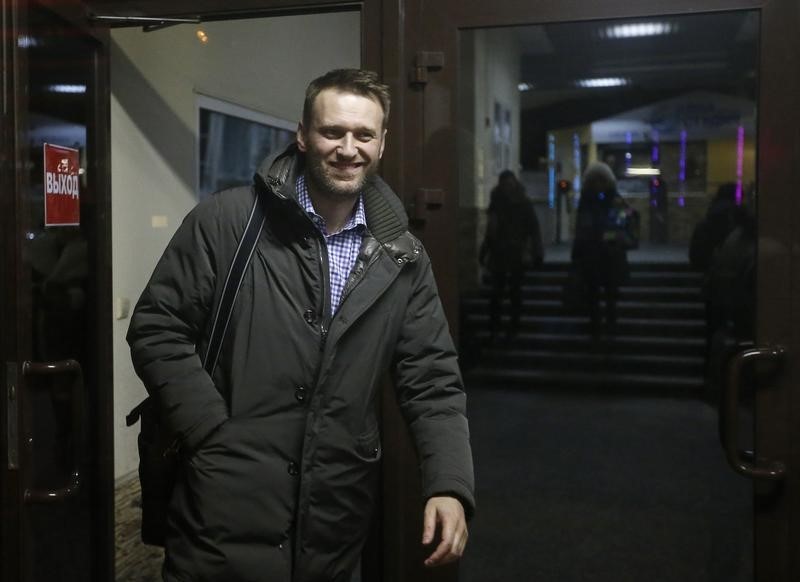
(293, 469)
(309, 316)
(375, 452)
(300, 393)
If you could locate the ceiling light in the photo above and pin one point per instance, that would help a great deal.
(602, 82)
(67, 88)
(202, 36)
(643, 172)
(525, 86)
(638, 29)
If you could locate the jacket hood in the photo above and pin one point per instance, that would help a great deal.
(386, 217)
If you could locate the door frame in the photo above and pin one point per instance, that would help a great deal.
(16, 306)
(379, 33)
(431, 165)
(375, 43)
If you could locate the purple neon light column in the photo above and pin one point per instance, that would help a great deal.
(739, 163)
(682, 170)
(551, 170)
(576, 158)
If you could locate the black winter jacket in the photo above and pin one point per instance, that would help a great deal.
(281, 447)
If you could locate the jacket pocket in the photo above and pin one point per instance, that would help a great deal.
(236, 490)
(368, 445)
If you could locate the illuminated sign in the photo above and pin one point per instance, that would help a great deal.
(62, 200)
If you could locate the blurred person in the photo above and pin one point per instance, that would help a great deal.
(512, 242)
(711, 231)
(605, 228)
(731, 307)
(719, 221)
(730, 285)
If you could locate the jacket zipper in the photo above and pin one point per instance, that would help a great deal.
(322, 253)
(326, 307)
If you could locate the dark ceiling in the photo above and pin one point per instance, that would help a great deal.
(705, 52)
(711, 51)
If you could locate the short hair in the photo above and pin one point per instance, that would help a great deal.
(357, 81)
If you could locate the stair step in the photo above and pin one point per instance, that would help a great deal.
(635, 266)
(643, 280)
(626, 292)
(577, 379)
(625, 325)
(659, 309)
(577, 341)
(499, 358)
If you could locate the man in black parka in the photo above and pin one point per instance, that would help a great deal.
(280, 449)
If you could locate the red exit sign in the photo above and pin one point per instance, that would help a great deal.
(62, 199)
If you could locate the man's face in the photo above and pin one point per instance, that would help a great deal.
(343, 143)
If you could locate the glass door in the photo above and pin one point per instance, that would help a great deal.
(637, 157)
(622, 426)
(57, 444)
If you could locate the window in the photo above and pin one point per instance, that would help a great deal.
(233, 141)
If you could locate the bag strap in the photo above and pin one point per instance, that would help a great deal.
(135, 414)
(233, 282)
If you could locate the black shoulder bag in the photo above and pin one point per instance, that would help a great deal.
(158, 462)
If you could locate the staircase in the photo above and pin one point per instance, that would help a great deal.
(658, 344)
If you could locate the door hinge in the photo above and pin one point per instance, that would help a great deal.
(12, 419)
(5, 57)
(425, 61)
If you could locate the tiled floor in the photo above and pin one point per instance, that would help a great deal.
(135, 562)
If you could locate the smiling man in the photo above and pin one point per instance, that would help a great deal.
(280, 446)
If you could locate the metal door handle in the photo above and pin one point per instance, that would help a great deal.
(63, 367)
(757, 468)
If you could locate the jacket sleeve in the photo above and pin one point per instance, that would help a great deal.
(167, 324)
(431, 394)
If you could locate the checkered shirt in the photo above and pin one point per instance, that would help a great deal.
(343, 246)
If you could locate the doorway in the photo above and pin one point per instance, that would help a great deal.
(195, 108)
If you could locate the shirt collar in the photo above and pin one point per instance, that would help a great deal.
(357, 220)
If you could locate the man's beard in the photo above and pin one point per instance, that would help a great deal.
(326, 185)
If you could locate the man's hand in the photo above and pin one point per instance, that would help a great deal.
(449, 513)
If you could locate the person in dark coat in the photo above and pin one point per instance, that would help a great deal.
(513, 241)
(721, 218)
(603, 236)
(714, 228)
(280, 449)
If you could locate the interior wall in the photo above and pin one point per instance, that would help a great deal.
(500, 80)
(155, 77)
(489, 73)
(721, 163)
